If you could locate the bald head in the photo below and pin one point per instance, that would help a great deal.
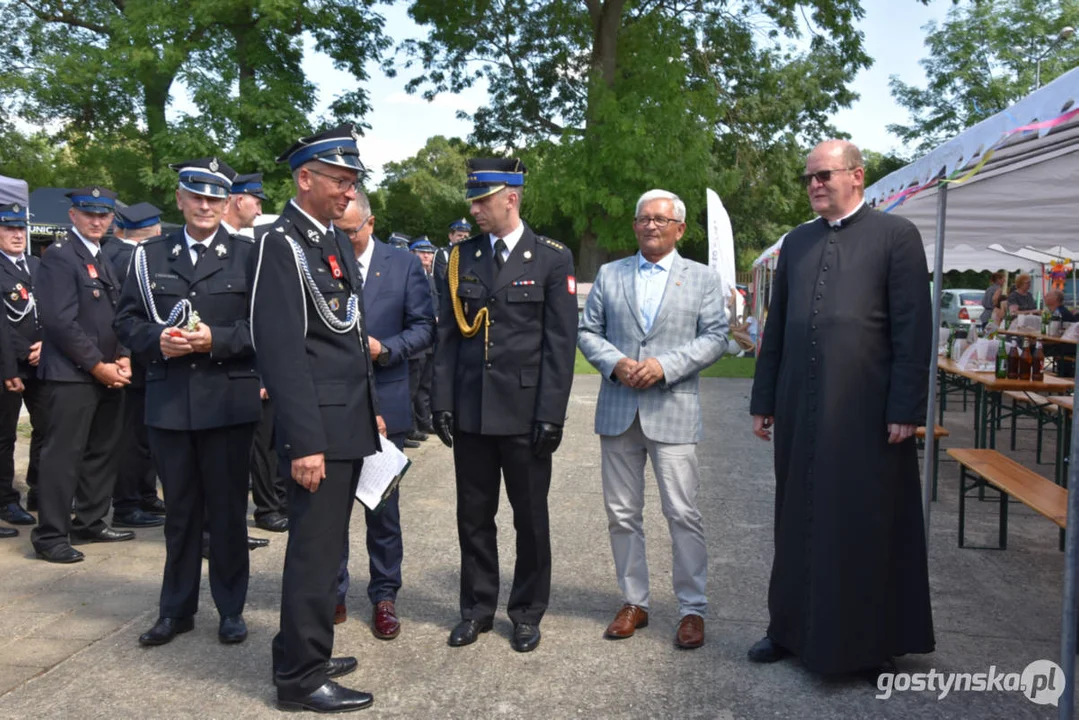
(835, 176)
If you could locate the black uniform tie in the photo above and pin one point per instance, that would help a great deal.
(200, 250)
(21, 262)
(500, 247)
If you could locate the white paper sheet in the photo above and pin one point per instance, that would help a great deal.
(381, 474)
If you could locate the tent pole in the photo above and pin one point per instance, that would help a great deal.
(931, 400)
(1066, 704)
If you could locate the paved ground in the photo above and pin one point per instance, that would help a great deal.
(68, 642)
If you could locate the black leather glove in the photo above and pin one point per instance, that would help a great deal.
(546, 437)
(443, 422)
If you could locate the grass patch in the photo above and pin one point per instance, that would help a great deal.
(727, 367)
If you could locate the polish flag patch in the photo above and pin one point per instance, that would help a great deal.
(571, 284)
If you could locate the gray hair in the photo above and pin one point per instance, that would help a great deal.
(363, 203)
(1056, 295)
(679, 206)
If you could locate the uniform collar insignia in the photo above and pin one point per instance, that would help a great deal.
(176, 251)
(221, 251)
(313, 236)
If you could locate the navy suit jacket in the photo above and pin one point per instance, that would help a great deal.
(401, 316)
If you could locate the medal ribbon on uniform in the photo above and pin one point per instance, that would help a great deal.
(91, 270)
(335, 269)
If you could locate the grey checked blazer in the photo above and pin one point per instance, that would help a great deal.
(688, 335)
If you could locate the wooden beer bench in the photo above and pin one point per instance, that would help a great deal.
(1029, 404)
(992, 469)
(938, 432)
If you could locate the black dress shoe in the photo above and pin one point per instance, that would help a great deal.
(767, 651)
(410, 443)
(154, 505)
(14, 514)
(467, 631)
(254, 543)
(330, 698)
(338, 666)
(6, 532)
(136, 519)
(62, 553)
(417, 435)
(232, 629)
(102, 535)
(525, 638)
(165, 629)
(427, 427)
(274, 522)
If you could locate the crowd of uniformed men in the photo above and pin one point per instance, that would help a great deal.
(214, 360)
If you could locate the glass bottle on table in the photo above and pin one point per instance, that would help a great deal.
(1002, 359)
(1013, 361)
(1025, 361)
(1037, 364)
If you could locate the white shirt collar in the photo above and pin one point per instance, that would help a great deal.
(664, 263)
(318, 226)
(132, 243)
(13, 258)
(94, 248)
(837, 223)
(511, 238)
(231, 230)
(364, 258)
(192, 242)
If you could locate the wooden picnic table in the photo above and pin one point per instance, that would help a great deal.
(1038, 336)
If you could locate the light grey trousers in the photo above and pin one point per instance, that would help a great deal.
(678, 477)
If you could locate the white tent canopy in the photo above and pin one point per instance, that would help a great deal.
(966, 257)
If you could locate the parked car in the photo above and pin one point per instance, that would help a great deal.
(961, 307)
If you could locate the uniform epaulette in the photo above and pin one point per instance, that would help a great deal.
(551, 243)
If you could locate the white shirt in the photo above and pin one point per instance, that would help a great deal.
(93, 247)
(231, 230)
(192, 242)
(839, 222)
(15, 260)
(318, 226)
(651, 282)
(511, 240)
(364, 258)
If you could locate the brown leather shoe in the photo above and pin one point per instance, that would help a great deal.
(384, 622)
(690, 633)
(628, 619)
(340, 614)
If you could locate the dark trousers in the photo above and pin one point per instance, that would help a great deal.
(78, 460)
(318, 528)
(136, 480)
(10, 407)
(480, 461)
(204, 471)
(267, 487)
(420, 373)
(385, 549)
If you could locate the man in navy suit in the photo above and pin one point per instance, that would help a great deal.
(401, 324)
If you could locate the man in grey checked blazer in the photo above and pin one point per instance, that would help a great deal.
(652, 322)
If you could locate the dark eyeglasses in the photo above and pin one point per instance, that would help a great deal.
(341, 184)
(822, 176)
(660, 222)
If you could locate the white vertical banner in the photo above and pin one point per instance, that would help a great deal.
(721, 249)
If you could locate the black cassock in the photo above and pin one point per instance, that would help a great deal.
(846, 351)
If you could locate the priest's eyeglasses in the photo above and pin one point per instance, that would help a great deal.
(660, 222)
(822, 176)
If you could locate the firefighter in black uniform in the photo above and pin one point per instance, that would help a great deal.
(135, 503)
(84, 368)
(17, 270)
(184, 314)
(459, 230)
(306, 322)
(507, 328)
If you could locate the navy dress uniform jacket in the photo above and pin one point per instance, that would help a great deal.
(526, 374)
(200, 390)
(14, 285)
(76, 295)
(401, 315)
(324, 398)
(119, 254)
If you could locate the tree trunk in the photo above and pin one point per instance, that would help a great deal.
(590, 257)
(156, 99)
(246, 121)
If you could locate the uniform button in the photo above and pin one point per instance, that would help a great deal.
(816, 312)
(821, 283)
(287, 446)
(488, 366)
(832, 241)
(193, 293)
(813, 359)
(814, 343)
(490, 343)
(819, 296)
(193, 366)
(814, 327)
(219, 362)
(490, 301)
(825, 268)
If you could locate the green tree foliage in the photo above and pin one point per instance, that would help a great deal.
(100, 75)
(614, 97)
(982, 59)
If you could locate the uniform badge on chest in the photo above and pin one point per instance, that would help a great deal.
(221, 251)
(335, 304)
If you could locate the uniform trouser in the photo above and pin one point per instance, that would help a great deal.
(204, 471)
(678, 477)
(420, 373)
(385, 549)
(267, 487)
(318, 529)
(10, 407)
(136, 480)
(78, 460)
(478, 460)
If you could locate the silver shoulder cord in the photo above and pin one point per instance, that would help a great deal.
(331, 321)
(16, 316)
(180, 312)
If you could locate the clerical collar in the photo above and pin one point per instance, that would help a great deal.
(318, 226)
(843, 220)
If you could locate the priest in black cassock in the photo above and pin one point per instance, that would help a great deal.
(843, 376)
